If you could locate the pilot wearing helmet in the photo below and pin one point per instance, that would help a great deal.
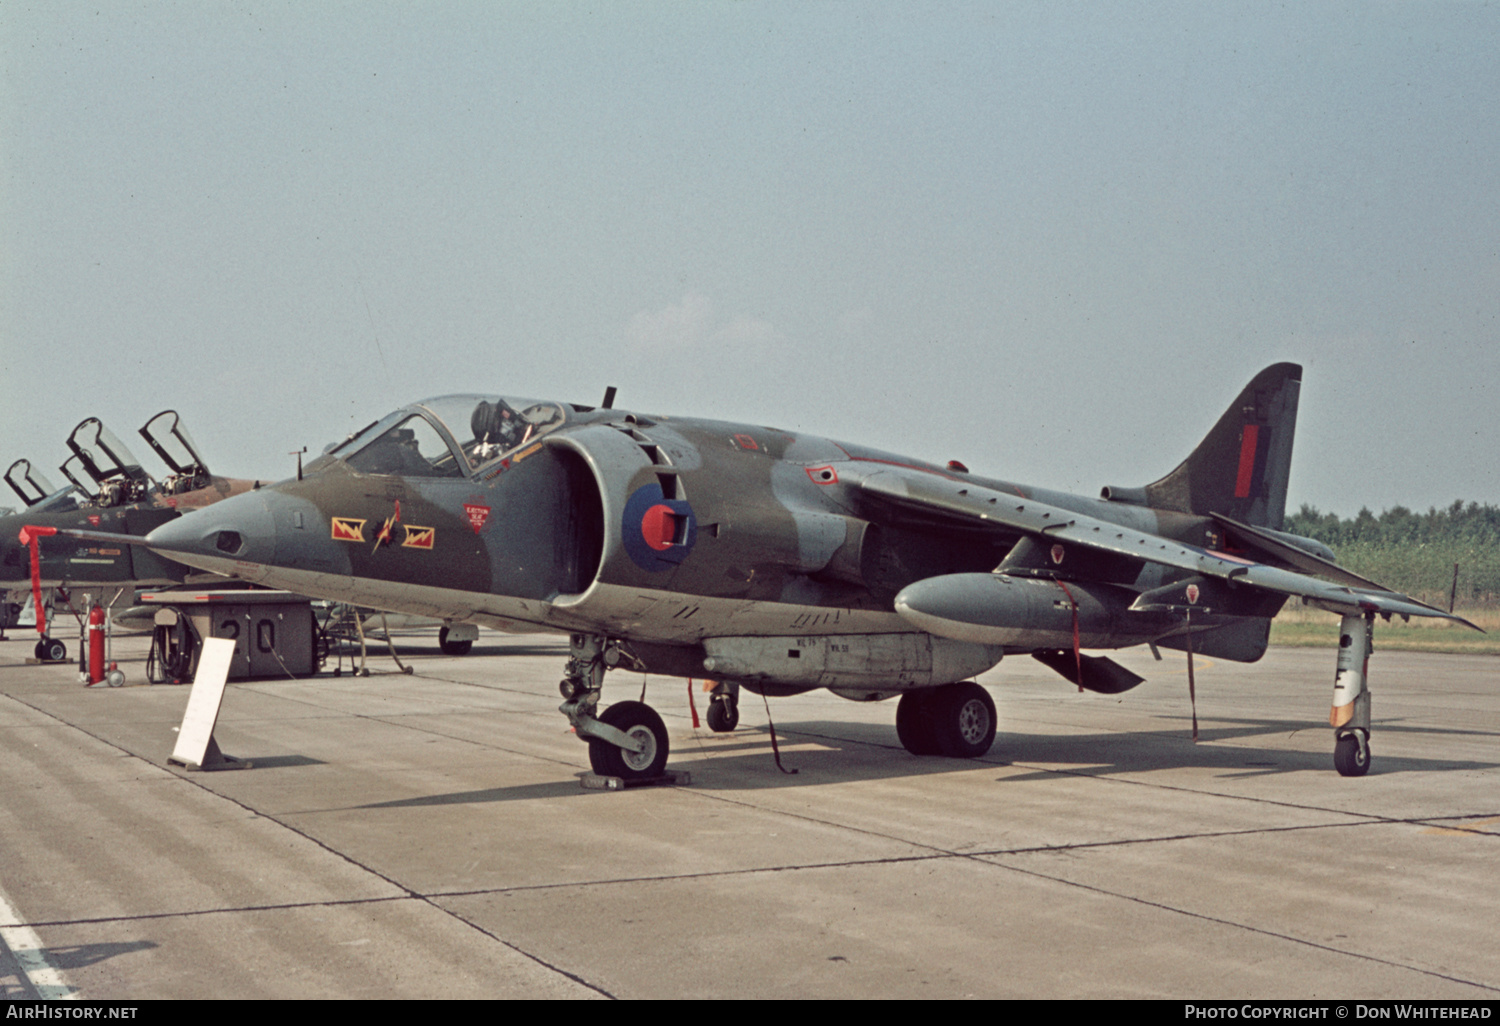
(496, 424)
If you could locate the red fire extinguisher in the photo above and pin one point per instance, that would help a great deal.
(96, 644)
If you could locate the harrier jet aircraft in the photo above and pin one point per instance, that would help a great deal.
(122, 499)
(781, 562)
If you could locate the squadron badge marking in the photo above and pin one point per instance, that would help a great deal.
(348, 529)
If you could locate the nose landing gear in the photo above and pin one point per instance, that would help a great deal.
(628, 742)
(50, 650)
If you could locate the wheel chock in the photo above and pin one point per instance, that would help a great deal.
(671, 778)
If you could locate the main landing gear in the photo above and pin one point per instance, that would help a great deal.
(452, 644)
(957, 720)
(724, 708)
(628, 740)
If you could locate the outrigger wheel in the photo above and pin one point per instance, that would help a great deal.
(1351, 754)
(1350, 715)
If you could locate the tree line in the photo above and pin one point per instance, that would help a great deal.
(1415, 552)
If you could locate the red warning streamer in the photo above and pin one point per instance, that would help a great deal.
(1192, 688)
(1077, 655)
(29, 536)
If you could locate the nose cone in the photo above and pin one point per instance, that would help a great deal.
(223, 538)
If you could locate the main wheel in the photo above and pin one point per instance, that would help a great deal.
(640, 722)
(723, 714)
(963, 720)
(914, 723)
(1351, 755)
(51, 650)
(452, 647)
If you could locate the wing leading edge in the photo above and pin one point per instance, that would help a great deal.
(967, 505)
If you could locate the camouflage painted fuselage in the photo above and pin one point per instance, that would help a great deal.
(767, 554)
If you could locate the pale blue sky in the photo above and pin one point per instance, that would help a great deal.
(1051, 240)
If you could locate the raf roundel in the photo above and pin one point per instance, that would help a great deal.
(658, 532)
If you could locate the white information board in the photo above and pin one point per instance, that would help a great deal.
(197, 730)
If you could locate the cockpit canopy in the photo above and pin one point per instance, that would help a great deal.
(168, 436)
(27, 482)
(116, 472)
(450, 436)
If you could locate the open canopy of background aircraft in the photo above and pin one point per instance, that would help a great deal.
(781, 562)
(110, 493)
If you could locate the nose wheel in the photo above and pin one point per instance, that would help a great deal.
(640, 723)
(627, 741)
(50, 650)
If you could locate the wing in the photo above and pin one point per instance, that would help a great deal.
(914, 495)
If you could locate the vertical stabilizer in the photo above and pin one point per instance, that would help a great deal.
(1242, 467)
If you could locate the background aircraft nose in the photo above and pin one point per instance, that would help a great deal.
(15, 561)
(240, 529)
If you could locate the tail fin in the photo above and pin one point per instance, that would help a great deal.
(1241, 468)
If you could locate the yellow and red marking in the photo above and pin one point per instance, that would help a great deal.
(348, 529)
(418, 537)
(384, 534)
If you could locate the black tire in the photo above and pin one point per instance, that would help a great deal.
(638, 720)
(51, 650)
(1351, 758)
(453, 648)
(723, 714)
(963, 720)
(914, 723)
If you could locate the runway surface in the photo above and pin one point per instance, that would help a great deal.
(426, 836)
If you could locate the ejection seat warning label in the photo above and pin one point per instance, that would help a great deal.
(477, 515)
(203, 704)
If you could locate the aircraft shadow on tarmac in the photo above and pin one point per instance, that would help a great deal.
(824, 752)
(282, 761)
(76, 956)
(79, 956)
(412, 649)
